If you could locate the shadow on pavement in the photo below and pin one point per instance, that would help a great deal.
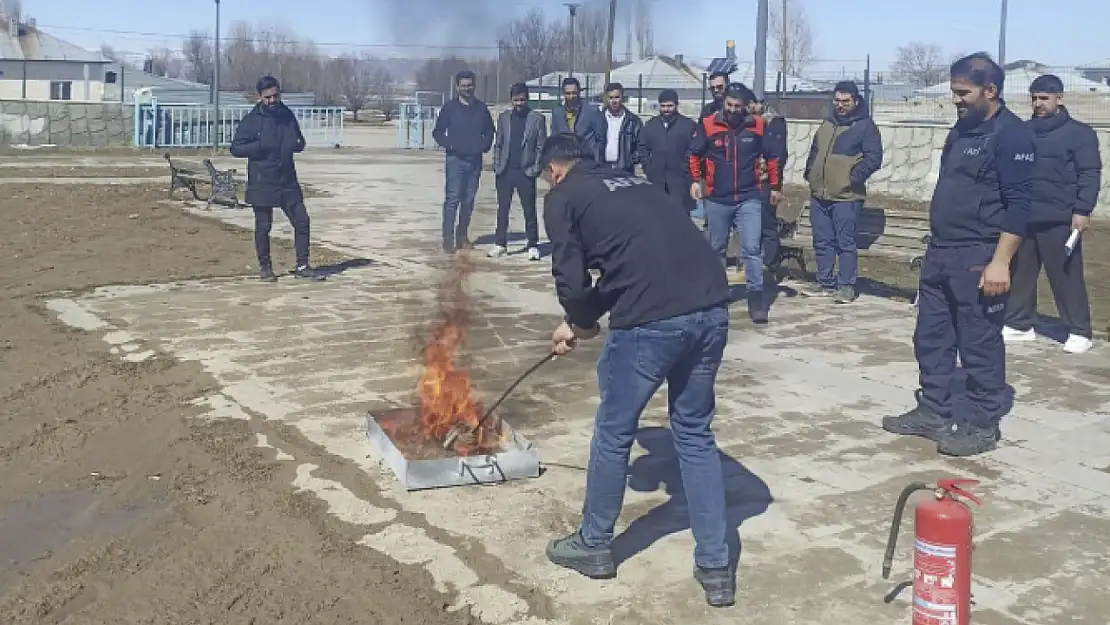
(746, 496)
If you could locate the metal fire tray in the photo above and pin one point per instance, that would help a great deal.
(518, 459)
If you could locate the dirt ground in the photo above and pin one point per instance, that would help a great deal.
(117, 505)
(883, 276)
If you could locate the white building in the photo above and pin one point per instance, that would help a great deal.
(38, 66)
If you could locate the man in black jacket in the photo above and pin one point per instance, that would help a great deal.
(775, 139)
(268, 137)
(664, 145)
(667, 298)
(464, 129)
(1066, 182)
(617, 132)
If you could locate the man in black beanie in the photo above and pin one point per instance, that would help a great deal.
(1066, 179)
(664, 145)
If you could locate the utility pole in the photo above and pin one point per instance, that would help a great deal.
(609, 42)
(573, 7)
(759, 69)
(216, 82)
(1002, 35)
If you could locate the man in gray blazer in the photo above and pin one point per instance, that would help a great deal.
(516, 154)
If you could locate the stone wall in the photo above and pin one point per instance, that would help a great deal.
(911, 159)
(71, 124)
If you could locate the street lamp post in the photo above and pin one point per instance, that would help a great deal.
(216, 81)
(759, 70)
(1002, 35)
(609, 42)
(573, 7)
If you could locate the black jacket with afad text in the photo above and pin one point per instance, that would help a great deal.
(654, 262)
(1068, 171)
(268, 138)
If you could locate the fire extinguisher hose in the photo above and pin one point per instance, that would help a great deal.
(899, 508)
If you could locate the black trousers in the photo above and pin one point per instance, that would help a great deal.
(770, 234)
(513, 179)
(1044, 246)
(292, 204)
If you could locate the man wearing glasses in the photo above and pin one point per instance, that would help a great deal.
(718, 82)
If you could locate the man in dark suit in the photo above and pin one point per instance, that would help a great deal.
(664, 146)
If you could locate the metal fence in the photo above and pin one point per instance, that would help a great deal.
(159, 125)
(415, 123)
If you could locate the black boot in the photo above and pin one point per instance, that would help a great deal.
(306, 272)
(919, 421)
(757, 308)
(965, 440)
(266, 273)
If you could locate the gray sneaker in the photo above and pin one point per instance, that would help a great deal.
(266, 274)
(306, 272)
(844, 295)
(573, 553)
(719, 586)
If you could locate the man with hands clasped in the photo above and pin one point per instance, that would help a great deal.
(667, 297)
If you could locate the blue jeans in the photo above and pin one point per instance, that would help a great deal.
(834, 241)
(685, 352)
(460, 189)
(747, 219)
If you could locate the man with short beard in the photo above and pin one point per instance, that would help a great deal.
(664, 145)
(618, 132)
(516, 152)
(1065, 190)
(727, 153)
(268, 137)
(718, 82)
(574, 115)
(977, 218)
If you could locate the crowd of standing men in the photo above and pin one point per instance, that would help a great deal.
(1013, 195)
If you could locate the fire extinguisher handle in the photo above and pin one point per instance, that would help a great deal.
(953, 486)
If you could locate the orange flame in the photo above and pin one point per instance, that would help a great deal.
(444, 388)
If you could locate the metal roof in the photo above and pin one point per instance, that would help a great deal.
(658, 72)
(1018, 81)
(28, 43)
(1103, 64)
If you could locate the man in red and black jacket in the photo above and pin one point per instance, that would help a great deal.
(728, 153)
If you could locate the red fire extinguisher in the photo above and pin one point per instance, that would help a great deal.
(943, 527)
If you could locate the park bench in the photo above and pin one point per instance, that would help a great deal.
(223, 185)
(898, 235)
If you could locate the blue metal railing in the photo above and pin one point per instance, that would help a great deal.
(415, 125)
(160, 125)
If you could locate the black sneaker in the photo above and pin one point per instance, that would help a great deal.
(756, 309)
(920, 421)
(305, 272)
(719, 586)
(573, 553)
(965, 440)
(266, 274)
(448, 247)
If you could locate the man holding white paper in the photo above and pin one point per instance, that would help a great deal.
(1065, 189)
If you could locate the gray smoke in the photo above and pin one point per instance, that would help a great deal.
(442, 24)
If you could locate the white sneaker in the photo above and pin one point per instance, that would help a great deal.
(533, 253)
(1010, 335)
(1077, 344)
(497, 251)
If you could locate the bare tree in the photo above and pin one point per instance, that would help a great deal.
(644, 29)
(358, 79)
(200, 60)
(532, 46)
(790, 30)
(163, 62)
(920, 63)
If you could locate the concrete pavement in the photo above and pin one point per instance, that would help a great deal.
(812, 477)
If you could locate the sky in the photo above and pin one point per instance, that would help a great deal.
(846, 31)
